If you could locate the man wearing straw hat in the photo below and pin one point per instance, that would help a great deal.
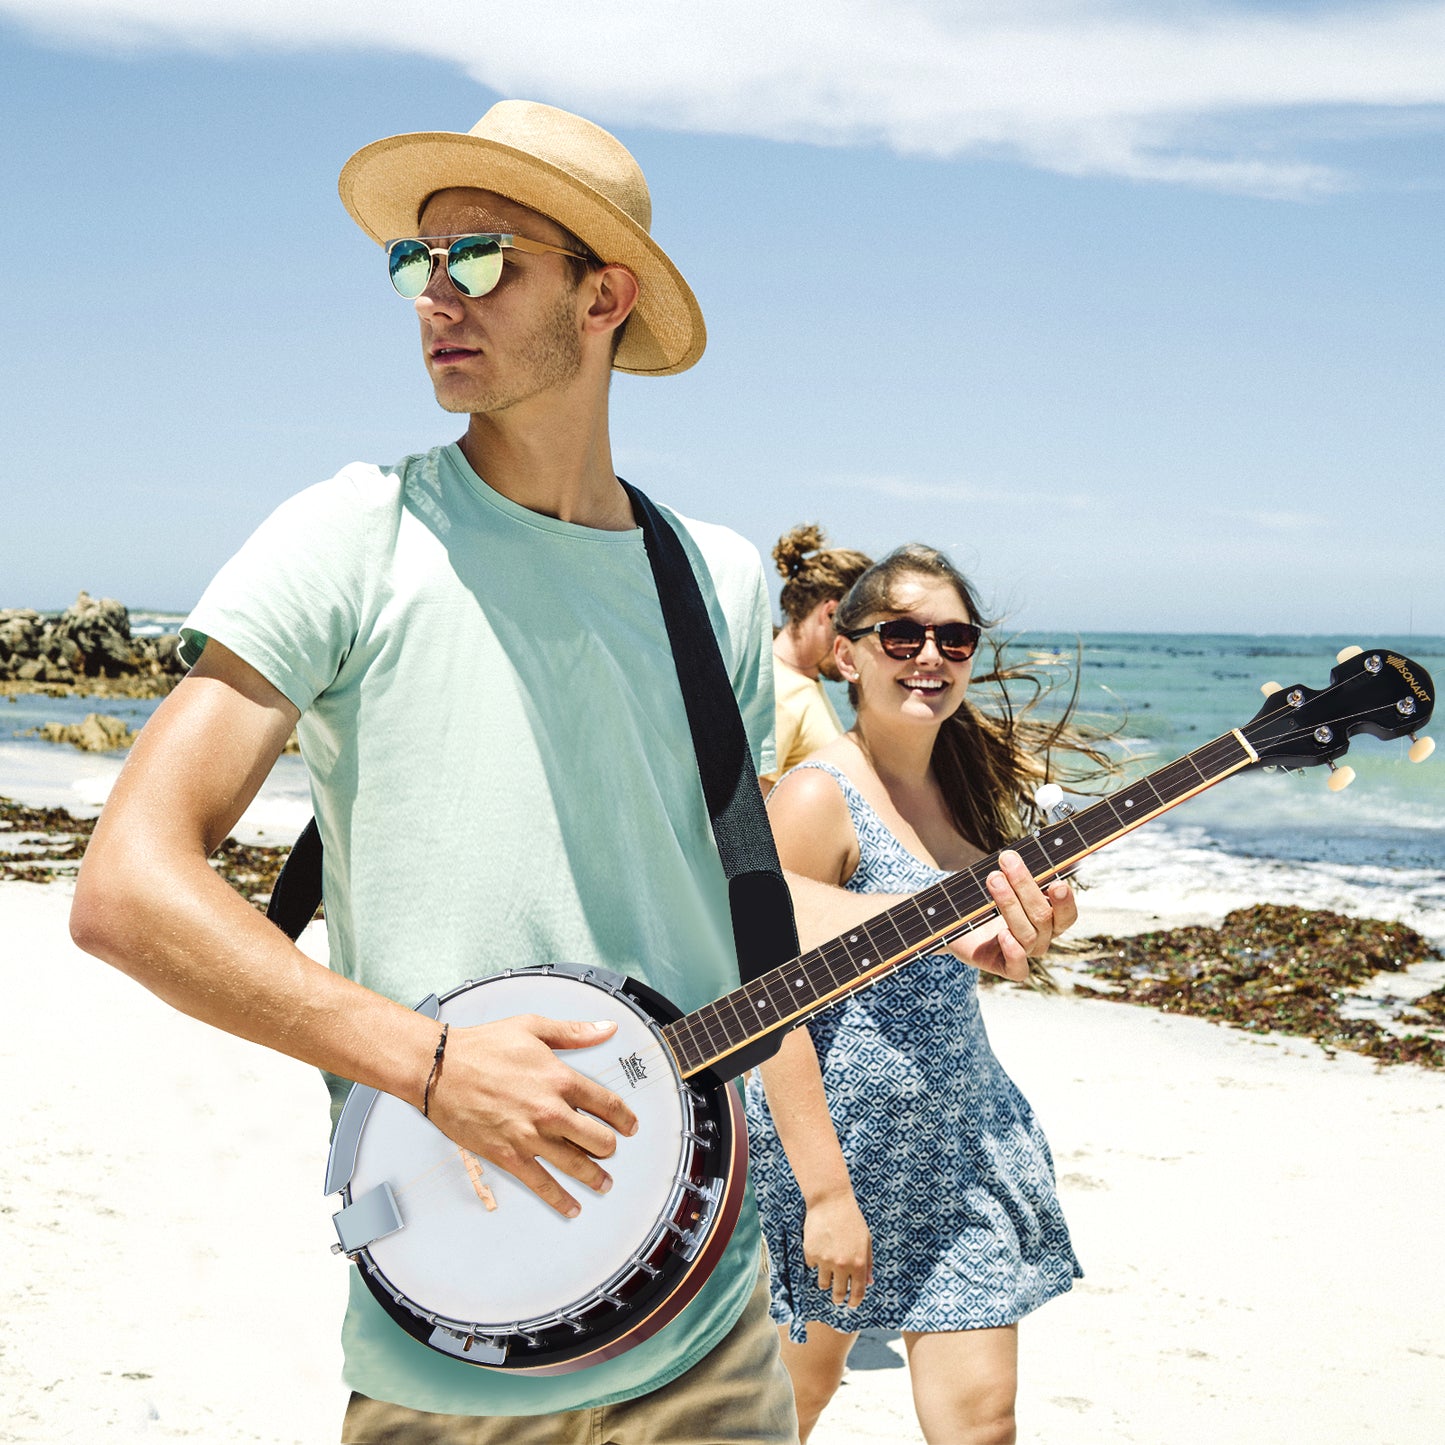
(472, 644)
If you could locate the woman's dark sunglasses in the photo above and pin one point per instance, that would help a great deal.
(474, 263)
(903, 638)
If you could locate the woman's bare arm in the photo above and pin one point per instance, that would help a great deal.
(816, 844)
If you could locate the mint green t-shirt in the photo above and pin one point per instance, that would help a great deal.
(503, 775)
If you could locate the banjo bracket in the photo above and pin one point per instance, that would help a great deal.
(367, 1219)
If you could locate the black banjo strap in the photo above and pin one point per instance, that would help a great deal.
(762, 908)
(762, 911)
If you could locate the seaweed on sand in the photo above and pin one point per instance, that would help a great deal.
(47, 843)
(1273, 969)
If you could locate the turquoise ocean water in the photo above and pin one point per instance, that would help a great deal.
(1377, 847)
(1176, 692)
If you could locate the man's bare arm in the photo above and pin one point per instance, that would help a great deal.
(148, 901)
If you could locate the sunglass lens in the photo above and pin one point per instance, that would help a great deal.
(475, 264)
(410, 265)
(957, 640)
(902, 639)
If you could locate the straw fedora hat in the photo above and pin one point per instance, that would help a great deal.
(567, 169)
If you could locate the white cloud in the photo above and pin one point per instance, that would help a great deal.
(1086, 87)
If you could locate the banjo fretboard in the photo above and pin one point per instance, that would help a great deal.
(924, 921)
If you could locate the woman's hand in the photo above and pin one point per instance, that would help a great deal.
(1029, 920)
(839, 1245)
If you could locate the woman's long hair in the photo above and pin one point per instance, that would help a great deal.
(988, 759)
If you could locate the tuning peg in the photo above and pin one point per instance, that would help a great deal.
(1420, 748)
(1047, 797)
(1270, 688)
(1346, 653)
(1049, 800)
(1340, 778)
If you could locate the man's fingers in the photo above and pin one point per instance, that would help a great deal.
(578, 1090)
(591, 1098)
(580, 1166)
(566, 1159)
(542, 1184)
(574, 1129)
(571, 1033)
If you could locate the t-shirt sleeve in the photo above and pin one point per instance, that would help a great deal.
(785, 737)
(289, 602)
(753, 678)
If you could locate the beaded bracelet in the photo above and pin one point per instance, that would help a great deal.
(431, 1078)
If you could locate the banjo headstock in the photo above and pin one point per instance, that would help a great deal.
(1371, 690)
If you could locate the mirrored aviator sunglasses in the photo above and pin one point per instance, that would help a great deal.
(474, 263)
(903, 638)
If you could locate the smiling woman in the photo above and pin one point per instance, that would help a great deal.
(969, 1235)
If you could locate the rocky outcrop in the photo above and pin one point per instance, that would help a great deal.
(99, 733)
(84, 648)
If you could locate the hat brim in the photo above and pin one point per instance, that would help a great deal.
(385, 184)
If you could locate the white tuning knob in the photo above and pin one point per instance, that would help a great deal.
(1047, 797)
(1340, 778)
(1420, 749)
(1346, 653)
(1270, 688)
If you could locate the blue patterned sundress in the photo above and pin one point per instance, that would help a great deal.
(949, 1166)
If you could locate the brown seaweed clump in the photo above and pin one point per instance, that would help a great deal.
(1432, 1005)
(39, 845)
(1274, 969)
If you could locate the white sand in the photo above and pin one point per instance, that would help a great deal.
(1260, 1227)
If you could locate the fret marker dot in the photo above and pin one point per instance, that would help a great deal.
(799, 984)
(852, 938)
(930, 913)
(867, 961)
(763, 1004)
(1128, 802)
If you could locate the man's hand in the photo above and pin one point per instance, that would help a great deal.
(504, 1094)
(1029, 920)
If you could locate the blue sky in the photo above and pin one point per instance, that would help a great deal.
(1137, 310)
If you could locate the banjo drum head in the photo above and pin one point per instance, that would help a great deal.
(477, 1247)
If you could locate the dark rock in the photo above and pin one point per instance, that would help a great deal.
(99, 630)
(88, 648)
(166, 650)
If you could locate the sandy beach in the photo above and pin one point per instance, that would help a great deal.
(1257, 1223)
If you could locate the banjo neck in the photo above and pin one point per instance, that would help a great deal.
(709, 1037)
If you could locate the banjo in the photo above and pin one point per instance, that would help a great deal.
(469, 1262)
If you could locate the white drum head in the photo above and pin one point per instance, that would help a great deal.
(490, 1253)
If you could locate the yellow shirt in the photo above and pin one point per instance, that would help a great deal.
(805, 717)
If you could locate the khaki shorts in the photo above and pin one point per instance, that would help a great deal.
(738, 1394)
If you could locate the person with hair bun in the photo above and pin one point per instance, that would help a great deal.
(815, 578)
(903, 1180)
